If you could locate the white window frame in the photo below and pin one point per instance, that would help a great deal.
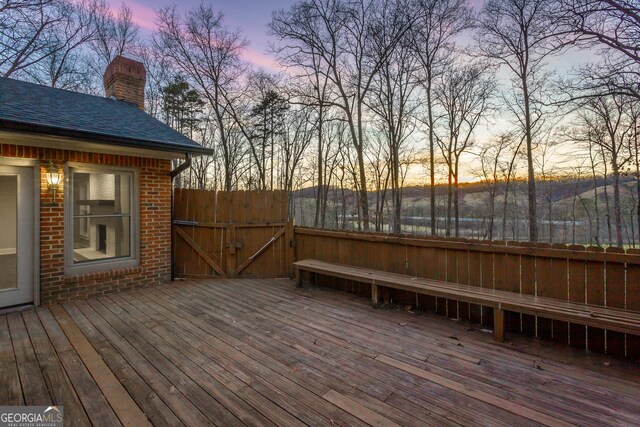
(133, 260)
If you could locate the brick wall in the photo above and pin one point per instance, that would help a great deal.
(155, 227)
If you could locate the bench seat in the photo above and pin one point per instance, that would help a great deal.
(613, 319)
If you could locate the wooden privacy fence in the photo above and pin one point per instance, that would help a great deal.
(572, 273)
(232, 234)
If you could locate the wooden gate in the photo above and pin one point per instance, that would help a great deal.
(232, 234)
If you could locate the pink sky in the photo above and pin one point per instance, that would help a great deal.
(250, 16)
(143, 16)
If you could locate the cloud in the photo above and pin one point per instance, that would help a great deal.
(261, 60)
(145, 17)
(142, 15)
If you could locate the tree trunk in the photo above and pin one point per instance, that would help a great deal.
(638, 200)
(608, 207)
(506, 195)
(271, 154)
(364, 197)
(432, 163)
(637, 161)
(595, 194)
(320, 183)
(397, 195)
(492, 207)
(456, 200)
(449, 200)
(531, 184)
(617, 210)
(504, 209)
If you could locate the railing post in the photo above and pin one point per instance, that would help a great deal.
(498, 324)
(298, 277)
(375, 295)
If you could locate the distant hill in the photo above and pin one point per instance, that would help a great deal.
(556, 190)
(566, 209)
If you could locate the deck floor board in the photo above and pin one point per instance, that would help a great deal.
(32, 382)
(249, 364)
(263, 352)
(341, 359)
(58, 382)
(253, 393)
(10, 390)
(331, 367)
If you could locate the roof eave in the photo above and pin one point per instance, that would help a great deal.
(107, 139)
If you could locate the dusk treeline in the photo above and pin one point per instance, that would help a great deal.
(523, 97)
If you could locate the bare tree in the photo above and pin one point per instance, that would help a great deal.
(634, 152)
(311, 89)
(493, 168)
(433, 35)
(299, 128)
(201, 166)
(464, 93)
(341, 33)
(582, 136)
(202, 48)
(510, 189)
(27, 33)
(521, 35)
(608, 126)
(332, 155)
(379, 169)
(116, 34)
(266, 124)
(65, 67)
(613, 26)
(159, 74)
(392, 100)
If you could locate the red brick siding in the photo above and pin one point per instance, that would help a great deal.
(155, 227)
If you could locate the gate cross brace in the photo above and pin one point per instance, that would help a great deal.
(279, 234)
(200, 252)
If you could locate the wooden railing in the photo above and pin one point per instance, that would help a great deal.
(592, 275)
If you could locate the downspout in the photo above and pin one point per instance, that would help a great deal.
(175, 172)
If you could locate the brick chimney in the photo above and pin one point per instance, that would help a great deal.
(124, 79)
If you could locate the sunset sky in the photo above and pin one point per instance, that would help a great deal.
(252, 17)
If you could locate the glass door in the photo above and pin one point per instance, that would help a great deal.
(16, 236)
(9, 235)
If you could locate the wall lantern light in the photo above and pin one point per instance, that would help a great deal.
(53, 177)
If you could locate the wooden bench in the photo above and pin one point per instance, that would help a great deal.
(613, 319)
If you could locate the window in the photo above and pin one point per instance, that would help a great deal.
(101, 219)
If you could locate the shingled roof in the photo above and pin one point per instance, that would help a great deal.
(29, 107)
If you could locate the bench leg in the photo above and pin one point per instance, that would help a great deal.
(498, 324)
(298, 277)
(375, 295)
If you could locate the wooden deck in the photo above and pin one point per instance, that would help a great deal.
(261, 352)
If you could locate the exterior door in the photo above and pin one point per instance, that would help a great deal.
(16, 235)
